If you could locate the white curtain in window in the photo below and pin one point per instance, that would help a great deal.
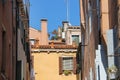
(67, 63)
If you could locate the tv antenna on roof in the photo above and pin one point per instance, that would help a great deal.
(67, 9)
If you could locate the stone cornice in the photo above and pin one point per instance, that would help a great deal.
(53, 50)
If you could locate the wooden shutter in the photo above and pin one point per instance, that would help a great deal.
(3, 63)
(32, 61)
(18, 72)
(60, 65)
(74, 65)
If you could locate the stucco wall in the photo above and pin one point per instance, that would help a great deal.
(21, 57)
(69, 35)
(35, 34)
(46, 66)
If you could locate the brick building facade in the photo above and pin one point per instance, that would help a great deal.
(7, 40)
(100, 30)
(10, 13)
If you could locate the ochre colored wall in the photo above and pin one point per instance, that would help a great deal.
(46, 66)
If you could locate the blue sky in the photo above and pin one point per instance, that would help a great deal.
(54, 11)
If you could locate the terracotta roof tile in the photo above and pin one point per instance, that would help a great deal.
(55, 47)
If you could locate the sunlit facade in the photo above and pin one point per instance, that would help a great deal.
(55, 60)
(100, 30)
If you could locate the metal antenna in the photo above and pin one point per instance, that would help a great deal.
(67, 8)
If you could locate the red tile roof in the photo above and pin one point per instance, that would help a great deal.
(54, 47)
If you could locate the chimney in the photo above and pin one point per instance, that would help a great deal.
(118, 3)
(65, 25)
(44, 33)
(59, 32)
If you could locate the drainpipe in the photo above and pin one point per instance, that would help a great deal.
(13, 2)
(118, 32)
(17, 24)
(118, 19)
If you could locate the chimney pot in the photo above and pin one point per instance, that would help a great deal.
(43, 19)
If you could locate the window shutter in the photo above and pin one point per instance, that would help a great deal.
(32, 61)
(60, 65)
(74, 65)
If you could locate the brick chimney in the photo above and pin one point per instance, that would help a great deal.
(44, 33)
(118, 2)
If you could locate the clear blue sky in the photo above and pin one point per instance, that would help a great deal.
(54, 11)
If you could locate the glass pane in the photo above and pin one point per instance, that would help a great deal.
(67, 63)
(75, 38)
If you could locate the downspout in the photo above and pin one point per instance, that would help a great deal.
(13, 2)
(118, 21)
(82, 23)
(118, 32)
(12, 35)
(17, 24)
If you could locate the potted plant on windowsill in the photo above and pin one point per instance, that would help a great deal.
(66, 72)
(112, 69)
(112, 72)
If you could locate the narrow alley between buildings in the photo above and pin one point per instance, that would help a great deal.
(88, 51)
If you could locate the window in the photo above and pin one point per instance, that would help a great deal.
(3, 2)
(90, 17)
(18, 72)
(32, 41)
(67, 64)
(75, 39)
(3, 52)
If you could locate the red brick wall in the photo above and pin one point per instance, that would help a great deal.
(6, 21)
(91, 42)
(89, 57)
